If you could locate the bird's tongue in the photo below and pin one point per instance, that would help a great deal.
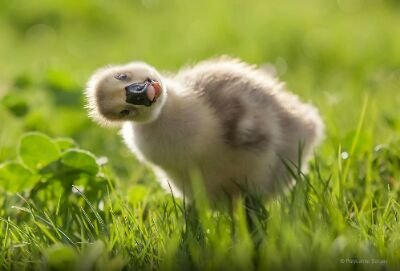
(151, 93)
(157, 89)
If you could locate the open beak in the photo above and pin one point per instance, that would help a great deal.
(153, 91)
(143, 93)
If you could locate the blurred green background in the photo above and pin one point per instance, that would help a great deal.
(332, 53)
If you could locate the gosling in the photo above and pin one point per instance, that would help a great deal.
(229, 124)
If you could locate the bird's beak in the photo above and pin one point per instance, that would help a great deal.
(143, 93)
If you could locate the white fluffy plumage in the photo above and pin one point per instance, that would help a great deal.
(230, 123)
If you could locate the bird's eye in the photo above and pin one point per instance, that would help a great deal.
(121, 76)
(149, 80)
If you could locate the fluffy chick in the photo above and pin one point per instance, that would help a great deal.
(230, 123)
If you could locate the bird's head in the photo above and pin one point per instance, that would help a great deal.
(132, 92)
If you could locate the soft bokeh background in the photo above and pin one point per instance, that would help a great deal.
(336, 54)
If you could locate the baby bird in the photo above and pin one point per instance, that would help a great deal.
(228, 123)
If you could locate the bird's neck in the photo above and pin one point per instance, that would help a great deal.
(173, 106)
(171, 134)
(171, 112)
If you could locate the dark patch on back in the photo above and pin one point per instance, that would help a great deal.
(257, 141)
(230, 109)
(230, 114)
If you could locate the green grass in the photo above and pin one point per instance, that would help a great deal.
(62, 210)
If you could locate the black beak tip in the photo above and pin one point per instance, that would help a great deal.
(136, 94)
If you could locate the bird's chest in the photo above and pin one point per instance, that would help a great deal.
(162, 146)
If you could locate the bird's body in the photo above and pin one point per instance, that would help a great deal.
(230, 123)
